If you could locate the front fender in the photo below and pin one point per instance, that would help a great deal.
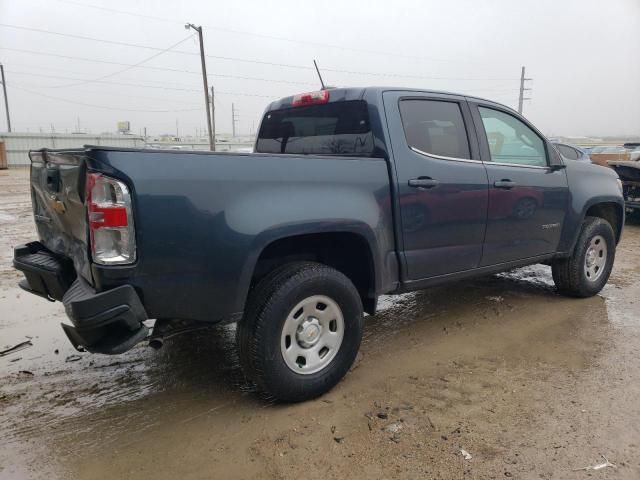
(589, 185)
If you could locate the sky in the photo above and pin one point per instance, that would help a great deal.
(583, 57)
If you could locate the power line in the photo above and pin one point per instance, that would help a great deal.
(126, 84)
(161, 69)
(84, 37)
(147, 47)
(181, 87)
(118, 93)
(87, 88)
(106, 107)
(244, 77)
(186, 88)
(262, 35)
(129, 67)
(254, 61)
(106, 82)
(112, 10)
(418, 77)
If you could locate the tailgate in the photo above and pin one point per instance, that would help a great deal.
(57, 195)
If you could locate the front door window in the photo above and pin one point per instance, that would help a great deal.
(511, 141)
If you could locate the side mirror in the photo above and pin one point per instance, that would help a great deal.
(555, 160)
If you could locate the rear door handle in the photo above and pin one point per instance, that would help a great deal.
(423, 182)
(504, 183)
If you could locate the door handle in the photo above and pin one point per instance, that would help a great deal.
(504, 183)
(423, 182)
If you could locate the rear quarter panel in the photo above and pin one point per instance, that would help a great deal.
(202, 220)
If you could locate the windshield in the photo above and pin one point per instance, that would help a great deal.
(339, 128)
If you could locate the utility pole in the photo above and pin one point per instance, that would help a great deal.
(212, 145)
(6, 100)
(522, 98)
(213, 120)
(234, 119)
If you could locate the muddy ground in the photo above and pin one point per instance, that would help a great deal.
(533, 385)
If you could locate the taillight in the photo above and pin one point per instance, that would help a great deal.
(310, 98)
(111, 231)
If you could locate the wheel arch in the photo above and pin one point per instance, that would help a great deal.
(349, 248)
(610, 209)
(612, 212)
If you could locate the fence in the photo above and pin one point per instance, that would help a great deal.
(17, 145)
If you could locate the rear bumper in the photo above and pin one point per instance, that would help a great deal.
(107, 322)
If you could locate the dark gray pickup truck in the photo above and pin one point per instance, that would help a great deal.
(352, 193)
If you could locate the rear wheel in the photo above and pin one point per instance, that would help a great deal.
(586, 272)
(301, 331)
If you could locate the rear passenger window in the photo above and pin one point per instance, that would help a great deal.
(435, 127)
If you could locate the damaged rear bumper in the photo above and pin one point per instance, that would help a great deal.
(109, 322)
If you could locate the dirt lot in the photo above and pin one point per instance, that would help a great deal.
(533, 385)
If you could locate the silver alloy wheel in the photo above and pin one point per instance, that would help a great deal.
(595, 258)
(312, 334)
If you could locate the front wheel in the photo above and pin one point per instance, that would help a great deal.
(586, 272)
(301, 331)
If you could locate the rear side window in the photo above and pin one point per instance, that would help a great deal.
(339, 128)
(435, 127)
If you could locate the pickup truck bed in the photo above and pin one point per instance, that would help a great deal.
(202, 219)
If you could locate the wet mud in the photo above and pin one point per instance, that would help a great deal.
(529, 383)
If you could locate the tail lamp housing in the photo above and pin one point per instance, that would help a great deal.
(111, 229)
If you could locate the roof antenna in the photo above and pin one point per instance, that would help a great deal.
(319, 76)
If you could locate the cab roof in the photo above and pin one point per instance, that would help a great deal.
(358, 93)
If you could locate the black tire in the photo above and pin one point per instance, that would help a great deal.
(259, 333)
(569, 274)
